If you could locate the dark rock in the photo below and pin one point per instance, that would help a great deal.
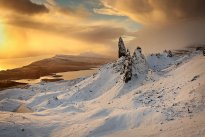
(128, 67)
(56, 98)
(22, 129)
(139, 49)
(199, 48)
(159, 96)
(169, 54)
(189, 111)
(122, 49)
(195, 77)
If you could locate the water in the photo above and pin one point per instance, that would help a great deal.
(77, 74)
(34, 81)
(64, 75)
(19, 62)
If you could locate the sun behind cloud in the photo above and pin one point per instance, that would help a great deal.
(44, 27)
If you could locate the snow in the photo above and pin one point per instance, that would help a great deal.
(167, 98)
(9, 105)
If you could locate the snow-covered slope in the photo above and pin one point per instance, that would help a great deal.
(167, 98)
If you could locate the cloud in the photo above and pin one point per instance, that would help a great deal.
(23, 7)
(96, 33)
(77, 11)
(65, 29)
(76, 28)
(172, 36)
(107, 11)
(156, 11)
(100, 34)
(167, 24)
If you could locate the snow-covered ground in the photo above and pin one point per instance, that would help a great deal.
(166, 101)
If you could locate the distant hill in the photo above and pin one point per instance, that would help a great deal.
(56, 64)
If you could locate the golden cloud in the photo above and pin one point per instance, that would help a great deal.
(23, 7)
(62, 30)
(156, 11)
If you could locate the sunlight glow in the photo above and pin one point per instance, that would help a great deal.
(2, 38)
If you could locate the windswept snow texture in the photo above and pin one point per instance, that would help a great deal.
(166, 100)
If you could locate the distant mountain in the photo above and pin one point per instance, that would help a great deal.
(56, 64)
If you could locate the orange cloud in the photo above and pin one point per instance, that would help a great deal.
(150, 12)
(61, 30)
(23, 6)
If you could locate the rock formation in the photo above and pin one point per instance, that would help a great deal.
(122, 49)
(139, 62)
(169, 54)
(128, 67)
(132, 65)
(139, 49)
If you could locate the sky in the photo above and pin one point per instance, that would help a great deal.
(30, 28)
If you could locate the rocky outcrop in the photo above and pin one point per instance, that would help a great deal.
(122, 49)
(139, 62)
(128, 67)
(132, 65)
(169, 54)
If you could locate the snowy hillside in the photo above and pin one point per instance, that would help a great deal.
(165, 97)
